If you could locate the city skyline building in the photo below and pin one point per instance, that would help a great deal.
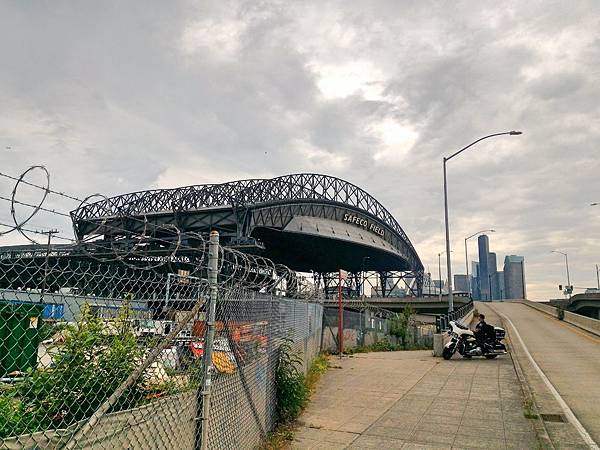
(514, 277)
(475, 280)
(483, 245)
(492, 275)
(498, 289)
(461, 283)
(487, 282)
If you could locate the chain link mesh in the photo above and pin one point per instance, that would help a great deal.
(102, 341)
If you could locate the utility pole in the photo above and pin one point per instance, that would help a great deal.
(50, 233)
(598, 276)
(440, 274)
(569, 289)
(342, 274)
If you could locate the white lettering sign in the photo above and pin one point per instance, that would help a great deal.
(364, 223)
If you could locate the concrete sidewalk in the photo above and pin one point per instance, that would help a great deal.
(411, 400)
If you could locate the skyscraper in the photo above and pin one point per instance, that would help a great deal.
(483, 243)
(460, 283)
(499, 292)
(475, 280)
(492, 275)
(514, 277)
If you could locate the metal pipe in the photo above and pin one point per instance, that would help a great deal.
(467, 267)
(167, 294)
(46, 259)
(213, 269)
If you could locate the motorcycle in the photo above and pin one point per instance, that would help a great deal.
(462, 339)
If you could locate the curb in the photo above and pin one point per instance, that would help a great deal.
(538, 424)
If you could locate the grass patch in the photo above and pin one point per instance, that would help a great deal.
(293, 393)
(529, 409)
(385, 346)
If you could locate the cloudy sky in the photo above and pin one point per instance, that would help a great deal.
(120, 96)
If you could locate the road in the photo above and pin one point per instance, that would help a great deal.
(568, 356)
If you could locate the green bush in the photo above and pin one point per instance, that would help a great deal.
(292, 391)
(400, 324)
(88, 369)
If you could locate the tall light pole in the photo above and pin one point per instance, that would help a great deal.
(467, 255)
(567, 265)
(598, 276)
(440, 271)
(445, 160)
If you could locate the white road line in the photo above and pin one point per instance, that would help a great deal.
(567, 411)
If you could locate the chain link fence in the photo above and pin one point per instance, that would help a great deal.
(105, 355)
(370, 325)
(155, 339)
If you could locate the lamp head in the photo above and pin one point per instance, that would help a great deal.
(515, 133)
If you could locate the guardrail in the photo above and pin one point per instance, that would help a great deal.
(586, 323)
(442, 322)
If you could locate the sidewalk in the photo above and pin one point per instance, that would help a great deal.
(411, 400)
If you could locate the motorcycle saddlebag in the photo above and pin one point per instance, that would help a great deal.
(500, 333)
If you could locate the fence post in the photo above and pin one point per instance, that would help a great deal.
(207, 365)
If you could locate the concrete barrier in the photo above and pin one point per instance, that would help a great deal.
(438, 344)
(587, 323)
(583, 322)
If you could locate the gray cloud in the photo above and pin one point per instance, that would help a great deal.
(116, 97)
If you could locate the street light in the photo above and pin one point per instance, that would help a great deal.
(567, 265)
(595, 204)
(440, 271)
(467, 255)
(445, 160)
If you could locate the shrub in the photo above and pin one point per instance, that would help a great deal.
(400, 324)
(88, 369)
(292, 391)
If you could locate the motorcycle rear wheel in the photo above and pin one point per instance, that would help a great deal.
(490, 356)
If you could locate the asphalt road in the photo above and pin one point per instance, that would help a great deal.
(568, 356)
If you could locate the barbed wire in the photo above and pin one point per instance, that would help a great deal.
(134, 249)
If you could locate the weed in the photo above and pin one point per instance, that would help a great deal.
(529, 409)
(292, 392)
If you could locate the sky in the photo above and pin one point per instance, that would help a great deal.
(114, 97)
